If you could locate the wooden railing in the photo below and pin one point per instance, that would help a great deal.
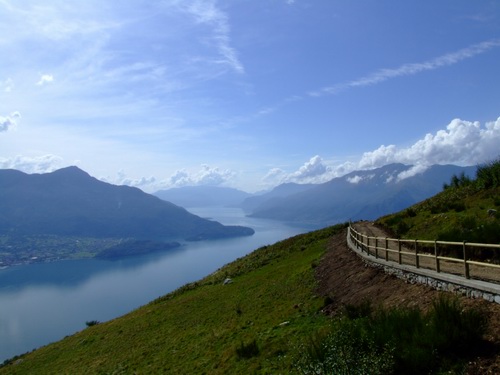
(427, 254)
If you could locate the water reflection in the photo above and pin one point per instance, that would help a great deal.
(71, 273)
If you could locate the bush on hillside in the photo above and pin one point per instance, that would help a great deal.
(247, 350)
(488, 175)
(458, 181)
(396, 341)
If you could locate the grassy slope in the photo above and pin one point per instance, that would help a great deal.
(466, 210)
(198, 328)
(455, 214)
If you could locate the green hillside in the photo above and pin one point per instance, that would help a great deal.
(466, 210)
(249, 325)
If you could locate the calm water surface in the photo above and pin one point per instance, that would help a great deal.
(42, 303)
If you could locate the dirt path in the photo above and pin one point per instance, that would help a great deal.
(346, 279)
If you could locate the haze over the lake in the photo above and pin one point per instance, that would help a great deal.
(246, 94)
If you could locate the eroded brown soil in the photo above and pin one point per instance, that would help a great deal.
(346, 279)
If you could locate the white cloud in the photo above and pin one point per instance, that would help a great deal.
(38, 164)
(207, 13)
(310, 171)
(461, 143)
(9, 122)
(410, 69)
(123, 179)
(44, 79)
(413, 171)
(355, 179)
(205, 176)
(274, 174)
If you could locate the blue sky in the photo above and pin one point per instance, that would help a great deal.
(246, 93)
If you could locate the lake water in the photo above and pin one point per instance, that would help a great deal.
(42, 303)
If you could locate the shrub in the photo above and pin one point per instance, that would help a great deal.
(348, 349)
(458, 181)
(361, 310)
(410, 212)
(248, 350)
(397, 341)
(402, 228)
(457, 206)
(91, 323)
(454, 331)
(488, 175)
(496, 201)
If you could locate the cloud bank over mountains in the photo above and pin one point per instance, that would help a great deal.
(461, 143)
(37, 164)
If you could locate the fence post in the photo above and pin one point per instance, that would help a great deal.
(466, 265)
(386, 249)
(376, 247)
(399, 251)
(368, 245)
(436, 256)
(417, 263)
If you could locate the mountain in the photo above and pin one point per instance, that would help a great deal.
(274, 196)
(69, 202)
(203, 196)
(359, 195)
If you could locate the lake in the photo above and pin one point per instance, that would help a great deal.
(42, 303)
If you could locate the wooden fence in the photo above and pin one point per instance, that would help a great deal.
(427, 254)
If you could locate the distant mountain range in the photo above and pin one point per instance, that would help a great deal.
(203, 196)
(364, 194)
(70, 202)
(273, 197)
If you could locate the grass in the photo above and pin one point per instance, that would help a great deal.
(247, 326)
(466, 210)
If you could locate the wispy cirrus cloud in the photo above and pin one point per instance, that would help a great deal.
(410, 69)
(207, 13)
(381, 76)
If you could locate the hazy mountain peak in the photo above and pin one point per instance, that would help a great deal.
(71, 202)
